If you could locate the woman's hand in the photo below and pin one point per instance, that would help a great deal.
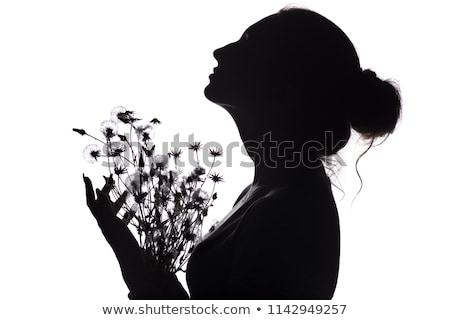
(142, 282)
(103, 208)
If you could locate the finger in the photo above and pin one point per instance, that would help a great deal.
(90, 196)
(104, 205)
(119, 202)
(109, 183)
(103, 199)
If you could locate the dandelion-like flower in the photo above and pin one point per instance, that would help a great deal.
(116, 148)
(200, 196)
(215, 152)
(108, 128)
(161, 161)
(116, 111)
(127, 117)
(195, 146)
(136, 182)
(216, 177)
(144, 132)
(175, 153)
(120, 170)
(92, 152)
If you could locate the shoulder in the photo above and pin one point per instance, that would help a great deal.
(294, 201)
(243, 193)
(289, 212)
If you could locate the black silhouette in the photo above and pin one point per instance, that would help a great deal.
(292, 83)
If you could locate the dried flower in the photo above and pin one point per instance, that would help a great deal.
(116, 111)
(216, 177)
(198, 171)
(161, 161)
(200, 196)
(175, 153)
(123, 115)
(215, 152)
(144, 132)
(127, 117)
(108, 128)
(80, 131)
(135, 182)
(92, 152)
(120, 170)
(116, 148)
(195, 146)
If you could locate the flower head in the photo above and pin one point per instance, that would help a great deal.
(116, 148)
(200, 196)
(108, 128)
(92, 152)
(215, 152)
(175, 153)
(216, 177)
(116, 111)
(198, 171)
(120, 170)
(195, 146)
(144, 132)
(121, 114)
(155, 121)
(135, 183)
(80, 131)
(127, 117)
(161, 161)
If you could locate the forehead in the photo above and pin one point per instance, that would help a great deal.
(264, 27)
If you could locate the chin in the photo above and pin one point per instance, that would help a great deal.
(211, 93)
(215, 93)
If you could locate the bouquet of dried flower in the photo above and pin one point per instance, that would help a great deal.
(166, 207)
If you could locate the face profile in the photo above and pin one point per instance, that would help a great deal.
(238, 80)
(299, 75)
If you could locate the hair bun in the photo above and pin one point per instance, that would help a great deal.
(376, 109)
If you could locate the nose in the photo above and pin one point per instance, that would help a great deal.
(220, 52)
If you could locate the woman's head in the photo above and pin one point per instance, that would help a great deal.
(297, 72)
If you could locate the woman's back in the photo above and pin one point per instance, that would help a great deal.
(282, 242)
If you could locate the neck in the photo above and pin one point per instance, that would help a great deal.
(278, 159)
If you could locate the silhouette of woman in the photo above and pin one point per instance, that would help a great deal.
(294, 86)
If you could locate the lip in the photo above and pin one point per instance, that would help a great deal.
(213, 73)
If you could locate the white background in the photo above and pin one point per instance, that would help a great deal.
(66, 64)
